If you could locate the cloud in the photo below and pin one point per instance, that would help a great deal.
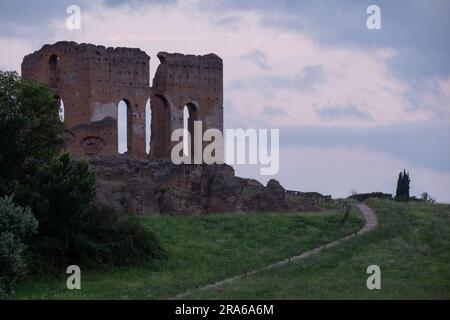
(338, 170)
(415, 28)
(32, 19)
(424, 144)
(257, 57)
(432, 95)
(307, 79)
(310, 68)
(118, 3)
(231, 22)
(271, 111)
(13, 50)
(339, 112)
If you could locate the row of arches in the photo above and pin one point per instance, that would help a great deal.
(124, 129)
(124, 114)
(124, 133)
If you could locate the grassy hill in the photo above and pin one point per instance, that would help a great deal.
(411, 246)
(201, 250)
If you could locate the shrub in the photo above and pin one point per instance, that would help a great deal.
(73, 229)
(61, 195)
(428, 198)
(365, 196)
(59, 190)
(16, 224)
(107, 241)
(29, 126)
(123, 242)
(114, 241)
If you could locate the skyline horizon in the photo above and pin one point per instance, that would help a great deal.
(354, 106)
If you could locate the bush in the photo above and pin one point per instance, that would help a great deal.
(107, 241)
(59, 190)
(29, 126)
(61, 195)
(428, 198)
(121, 242)
(73, 229)
(16, 224)
(365, 196)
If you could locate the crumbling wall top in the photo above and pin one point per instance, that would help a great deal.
(85, 47)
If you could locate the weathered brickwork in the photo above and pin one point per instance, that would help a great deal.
(92, 80)
(185, 80)
(161, 187)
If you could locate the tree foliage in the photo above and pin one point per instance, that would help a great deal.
(58, 190)
(73, 228)
(428, 198)
(403, 183)
(61, 195)
(16, 224)
(29, 127)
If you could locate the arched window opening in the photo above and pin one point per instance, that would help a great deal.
(186, 130)
(60, 105)
(189, 117)
(122, 127)
(54, 71)
(148, 127)
(54, 60)
(61, 110)
(160, 127)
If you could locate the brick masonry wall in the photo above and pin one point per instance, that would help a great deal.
(91, 80)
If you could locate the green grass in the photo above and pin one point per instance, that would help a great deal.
(411, 246)
(202, 250)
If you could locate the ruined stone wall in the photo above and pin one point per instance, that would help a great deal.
(65, 68)
(180, 80)
(92, 80)
(161, 187)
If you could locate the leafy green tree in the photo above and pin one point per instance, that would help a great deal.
(16, 224)
(29, 127)
(403, 184)
(73, 228)
(61, 195)
(428, 198)
(59, 190)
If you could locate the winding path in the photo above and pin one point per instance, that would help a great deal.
(371, 223)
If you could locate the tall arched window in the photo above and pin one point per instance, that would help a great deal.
(186, 131)
(54, 60)
(61, 110)
(122, 127)
(148, 126)
(54, 71)
(189, 117)
(160, 127)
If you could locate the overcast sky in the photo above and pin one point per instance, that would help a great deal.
(354, 106)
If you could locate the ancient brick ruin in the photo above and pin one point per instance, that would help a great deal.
(92, 80)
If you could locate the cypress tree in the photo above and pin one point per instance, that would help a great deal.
(403, 183)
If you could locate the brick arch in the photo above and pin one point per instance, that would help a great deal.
(192, 104)
(54, 71)
(148, 125)
(192, 114)
(93, 79)
(160, 144)
(59, 105)
(128, 125)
